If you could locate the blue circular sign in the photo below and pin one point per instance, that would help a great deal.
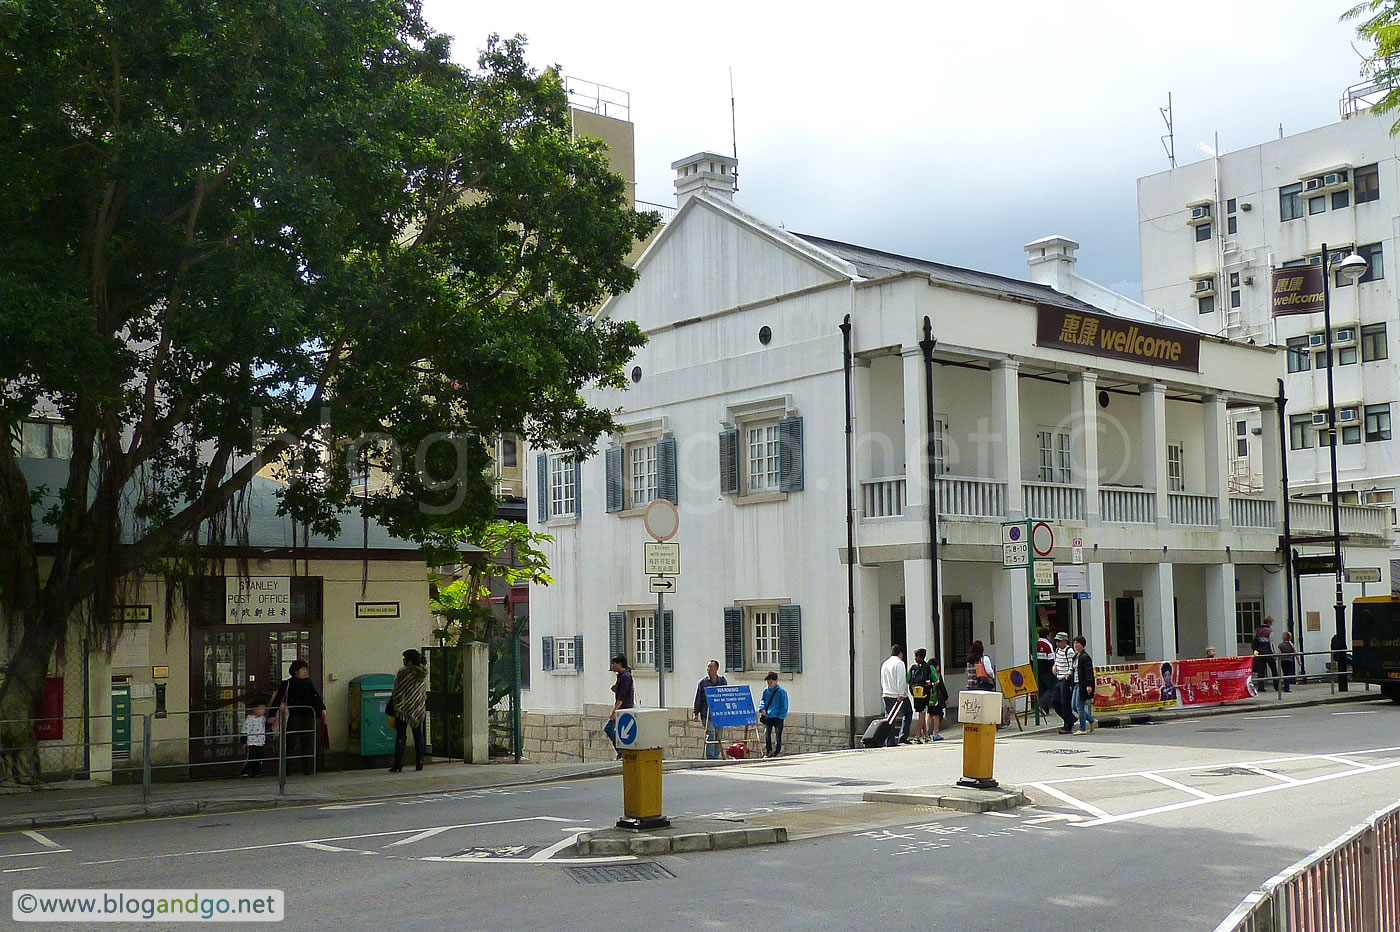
(626, 728)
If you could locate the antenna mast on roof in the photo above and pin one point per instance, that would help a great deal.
(1169, 139)
(733, 135)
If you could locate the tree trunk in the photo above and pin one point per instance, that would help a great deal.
(19, 698)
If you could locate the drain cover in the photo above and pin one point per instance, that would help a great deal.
(619, 873)
(1064, 751)
(1076, 765)
(1215, 731)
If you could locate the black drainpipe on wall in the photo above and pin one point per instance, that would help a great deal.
(850, 527)
(1281, 403)
(927, 344)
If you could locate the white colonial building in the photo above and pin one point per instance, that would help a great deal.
(1210, 233)
(1052, 399)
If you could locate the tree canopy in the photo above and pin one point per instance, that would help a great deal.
(1379, 23)
(248, 233)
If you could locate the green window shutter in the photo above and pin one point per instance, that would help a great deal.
(734, 639)
(547, 653)
(668, 633)
(666, 486)
(729, 462)
(612, 461)
(578, 652)
(790, 638)
(542, 486)
(790, 476)
(617, 634)
(578, 488)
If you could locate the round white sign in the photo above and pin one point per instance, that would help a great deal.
(662, 520)
(1042, 539)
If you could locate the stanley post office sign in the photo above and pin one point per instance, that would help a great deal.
(1116, 338)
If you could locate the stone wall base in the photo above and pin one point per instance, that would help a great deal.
(557, 737)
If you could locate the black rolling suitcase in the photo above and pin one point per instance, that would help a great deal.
(878, 731)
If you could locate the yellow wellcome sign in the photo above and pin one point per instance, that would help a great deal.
(1116, 338)
(1017, 681)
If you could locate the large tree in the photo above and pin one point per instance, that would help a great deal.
(238, 233)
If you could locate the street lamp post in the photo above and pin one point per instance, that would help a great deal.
(1350, 268)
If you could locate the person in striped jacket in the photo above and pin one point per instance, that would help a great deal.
(410, 707)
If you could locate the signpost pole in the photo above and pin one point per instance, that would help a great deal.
(661, 649)
(1031, 617)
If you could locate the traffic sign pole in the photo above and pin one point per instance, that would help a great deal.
(661, 650)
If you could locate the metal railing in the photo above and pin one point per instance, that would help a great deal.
(1128, 506)
(1193, 510)
(1351, 885)
(667, 211)
(133, 756)
(1333, 666)
(1053, 502)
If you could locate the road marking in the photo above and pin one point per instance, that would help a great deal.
(1056, 817)
(1127, 816)
(1003, 815)
(1066, 798)
(1342, 760)
(352, 805)
(30, 854)
(19, 870)
(1363, 712)
(1180, 787)
(1272, 773)
(317, 846)
(1207, 766)
(554, 849)
(426, 833)
(1260, 718)
(293, 844)
(45, 841)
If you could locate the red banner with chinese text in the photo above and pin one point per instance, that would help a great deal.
(1210, 680)
(1133, 687)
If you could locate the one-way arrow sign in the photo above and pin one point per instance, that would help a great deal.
(663, 584)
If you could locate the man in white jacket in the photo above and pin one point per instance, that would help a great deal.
(894, 689)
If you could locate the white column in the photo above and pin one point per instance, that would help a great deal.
(1158, 611)
(1153, 397)
(1215, 453)
(1276, 600)
(1084, 411)
(1095, 620)
(1271, 455)
(1006, 430)
(1012, 618)
(918, 605)
(1220, 608)
(916, 495)
(870, 652)
(863, 439)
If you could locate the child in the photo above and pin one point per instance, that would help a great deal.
(938, 704)
(255, 737)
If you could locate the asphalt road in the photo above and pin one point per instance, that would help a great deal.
(1152, 827)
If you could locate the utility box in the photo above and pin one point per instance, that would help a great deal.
(370, 735)
(979, 707)
(641, 728)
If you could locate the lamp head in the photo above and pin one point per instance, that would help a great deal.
(1351, 268)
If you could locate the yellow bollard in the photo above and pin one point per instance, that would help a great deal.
(979, 711)
(641, 734)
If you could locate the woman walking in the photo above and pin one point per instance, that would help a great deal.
(981, 673)
(1084, 686)
(409, 703)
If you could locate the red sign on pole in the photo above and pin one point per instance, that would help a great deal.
(48, 718)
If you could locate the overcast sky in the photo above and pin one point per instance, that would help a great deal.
(953, 132)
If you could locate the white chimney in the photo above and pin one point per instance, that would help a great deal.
(704, 172)
(1051, 260)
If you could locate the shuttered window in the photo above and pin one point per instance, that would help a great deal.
(612, 467)
(729, 462)
(734, 639)
(764, 624)
(790, 638)
(762, 453)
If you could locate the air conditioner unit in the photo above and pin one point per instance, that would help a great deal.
(1344, 335)
(1317, 339)
(1200, 213)
(1334, 179)
(1203, 286)
(1346, 414)
(1319, 419)
(1313, 184)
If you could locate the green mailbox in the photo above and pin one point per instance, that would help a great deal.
(370, 734)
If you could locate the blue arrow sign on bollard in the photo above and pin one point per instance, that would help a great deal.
(626, 728)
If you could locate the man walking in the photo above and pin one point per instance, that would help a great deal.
(1045, 669)
(772, 713)
(701, 710)
(1064, 681)
(624, 697)
(894, 689)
